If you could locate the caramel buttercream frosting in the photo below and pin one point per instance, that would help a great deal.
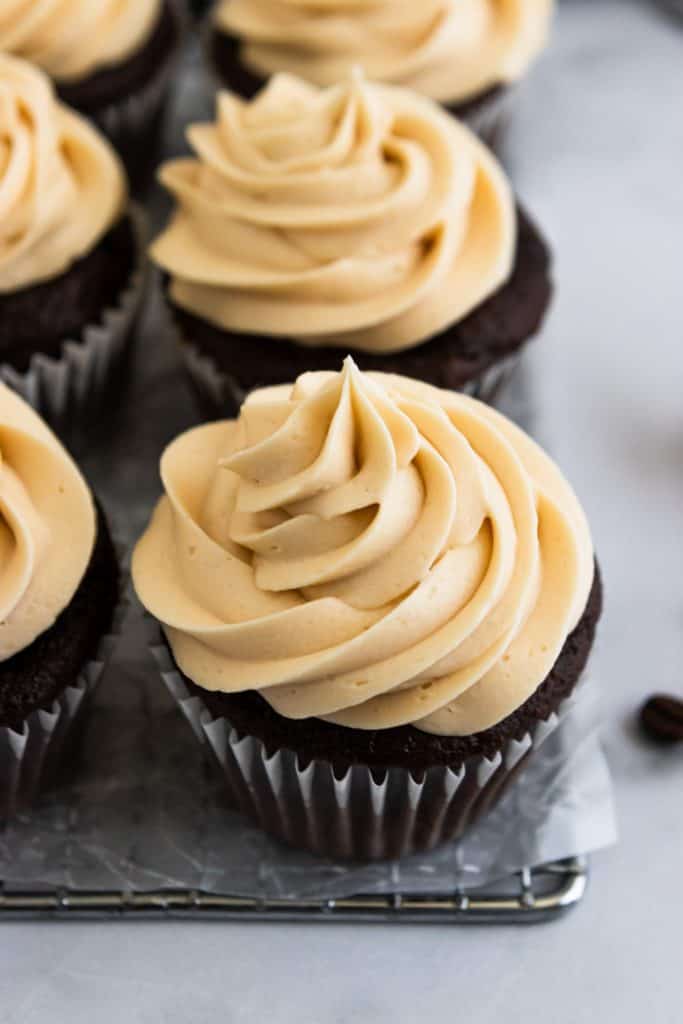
(71, 39)
(450, 50)
(359, 216)
(47, 526)
(368, 550)
(61, 185)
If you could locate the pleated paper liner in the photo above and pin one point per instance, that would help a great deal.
(68, 390)
(134, 125)
(219, 394)
(32, 758)
(363, 814)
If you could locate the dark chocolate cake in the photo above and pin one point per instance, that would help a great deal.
(407, 747)
(494, 330)
(35, 676)
(42, 316)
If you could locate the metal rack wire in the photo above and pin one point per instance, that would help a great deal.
(535, 895)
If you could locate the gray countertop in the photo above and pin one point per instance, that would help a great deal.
(596, 151)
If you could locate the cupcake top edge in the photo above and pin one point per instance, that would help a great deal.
(369, 550)
(450, 50)
(359, 216)
(62, 186)
(47, 526)
(71, 40)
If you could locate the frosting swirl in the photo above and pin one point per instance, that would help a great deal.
(450, 50)
(70, 39)
(47, 526)
(61, 184)
(369, 550)
(360, 216)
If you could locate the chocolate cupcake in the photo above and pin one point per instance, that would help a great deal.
(113, 62)
(59, 588)
(71, 260)
(200, 7)
(377, 599)
(360, 218)
(467, 57)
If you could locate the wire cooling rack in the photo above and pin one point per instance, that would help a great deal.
(530, 896)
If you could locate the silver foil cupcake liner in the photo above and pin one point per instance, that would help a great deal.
(138, 118)
(361, 814)
(31, 759)
(220, 394)
(65, 390)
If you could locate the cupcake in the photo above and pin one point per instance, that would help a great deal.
(357, 218)
(70, 254)
(199, 7)
(466, 56)
(377, 599)
(112, 61)
(59, 590)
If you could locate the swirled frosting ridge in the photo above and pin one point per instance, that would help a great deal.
(61, 184)
(359, 216)
(47, 526)
(450, 50)
(369, 550)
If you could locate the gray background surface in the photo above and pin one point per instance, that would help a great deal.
(596, 152)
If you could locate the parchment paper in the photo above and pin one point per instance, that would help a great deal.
(145, 810)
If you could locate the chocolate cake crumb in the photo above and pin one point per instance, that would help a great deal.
(461, 353)
(34, 677)
(405, 746)
(40, 317)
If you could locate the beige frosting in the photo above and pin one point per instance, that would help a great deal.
(369, 550)
(71, 39)
(47, 526)
(359, 216)
(61, 184)
(449, 50)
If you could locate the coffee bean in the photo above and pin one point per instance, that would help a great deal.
(662, 718)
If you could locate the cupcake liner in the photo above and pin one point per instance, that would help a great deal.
(490, 118)
(134, 124)
(362, 814)
(66, 389)
(220, 394)
(200, 7)
(32, 758)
